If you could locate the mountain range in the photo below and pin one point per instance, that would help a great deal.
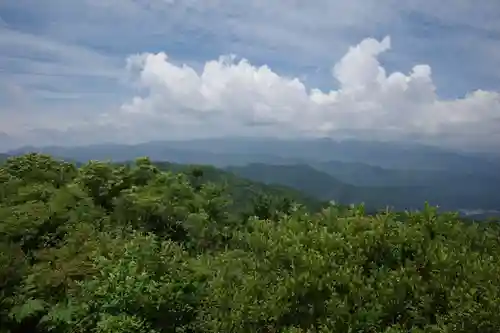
(379, 174)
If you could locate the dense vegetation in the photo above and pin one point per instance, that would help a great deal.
(241, 191)
(132, 248)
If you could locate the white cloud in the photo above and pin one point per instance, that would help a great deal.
(231, 95)
(67, 61)
(310, 33)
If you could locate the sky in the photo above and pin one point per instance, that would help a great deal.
(88, 71)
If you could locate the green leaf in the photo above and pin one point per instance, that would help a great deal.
(30, 308)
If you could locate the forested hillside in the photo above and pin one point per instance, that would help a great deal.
(135, 248)
(241, 191)
(450, 193)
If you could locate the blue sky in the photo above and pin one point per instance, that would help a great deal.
(63, 69)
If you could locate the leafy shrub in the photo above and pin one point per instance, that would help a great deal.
(130, 248)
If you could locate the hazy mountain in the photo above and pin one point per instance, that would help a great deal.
(384, 154)
(240, 151)
(320, 184)
(367, 175)
(160, 151)
(301, 177)
(377, 173)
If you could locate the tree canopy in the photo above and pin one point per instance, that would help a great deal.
(134, 248)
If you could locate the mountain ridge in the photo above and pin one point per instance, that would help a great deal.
(322, 185)
(453, 180)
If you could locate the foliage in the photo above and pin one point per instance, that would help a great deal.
(135, 248)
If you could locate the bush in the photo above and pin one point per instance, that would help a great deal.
(109, 248)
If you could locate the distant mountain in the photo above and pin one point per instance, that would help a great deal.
(240, 151)
(301, 177)
(384, 154)
(377, 173)
(158, 151)
(322, 185)
(367, 175)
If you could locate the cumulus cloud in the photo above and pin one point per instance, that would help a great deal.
(231, 95)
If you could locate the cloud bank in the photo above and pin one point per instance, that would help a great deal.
(63, 79)
(231, 96)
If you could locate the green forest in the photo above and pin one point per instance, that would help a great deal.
(158, 247)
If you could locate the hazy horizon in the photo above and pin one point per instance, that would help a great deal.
(389, 143)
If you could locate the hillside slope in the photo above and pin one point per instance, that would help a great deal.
(243, 189)
(362, 174)
(322, 185)
(300, 176)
